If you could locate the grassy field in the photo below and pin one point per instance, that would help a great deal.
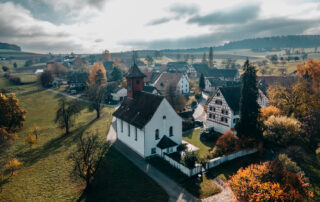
(193, 137)
(45, 174)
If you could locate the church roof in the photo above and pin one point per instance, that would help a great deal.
(139, 110)
(134, 72)
(166, 142)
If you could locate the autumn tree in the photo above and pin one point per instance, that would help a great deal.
(88, 158)
(96, 94)
(266, 112)
(57, 69)
(12, 165)
(46, 78)
(66, 113)
(211, 57)
(97, 74)
(202, 83)
(311, 69)
(282, 130)
(12, 116)
(30, 139)
(226, 144)
(248, 125)
(175, 98)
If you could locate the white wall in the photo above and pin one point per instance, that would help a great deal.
(121, 93)
(157, 122)
(184, 84)
(137, 146)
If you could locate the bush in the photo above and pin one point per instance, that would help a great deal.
(297, 154)
(226, 144)
(266, 112)
(282, 130)
(209, 135)
(5, 68)
(190, 159)
(12, 165)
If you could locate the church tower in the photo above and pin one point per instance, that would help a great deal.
(134, 81)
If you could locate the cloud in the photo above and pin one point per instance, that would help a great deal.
(257, 28)
(178, 11)
(235, 15)
(17, 25)
(98, 40)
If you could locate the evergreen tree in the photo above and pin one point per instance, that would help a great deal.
(248, 125)
(116, 74)
(211, 58)
(202, 84)
(204, 59)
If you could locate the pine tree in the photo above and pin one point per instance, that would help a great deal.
(248, 125)
(211, 58)
(202, 84)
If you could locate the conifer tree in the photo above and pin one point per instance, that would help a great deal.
(248, 125)
(202, 84)
(204, 59)
(211, 57)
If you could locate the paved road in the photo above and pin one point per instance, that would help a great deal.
(175, 191)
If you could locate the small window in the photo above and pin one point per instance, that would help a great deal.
(226, 111)
(121, 126)
(164, 117)
(136, 134)
(218, 94)
(210, 116)
(214, 109)
(157, 134)
(222, 111)
(171, 131)
(153, 150)
(211, 108)
(213, 116)
(137, 81)
(128, 129)
(218, 102)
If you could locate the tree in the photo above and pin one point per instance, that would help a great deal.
(97, 74)
(149, 59)
(116, 74)
(12, 117)
(282, 130)
(66, 113)
(12, 165)
(311, 70)
(211, 57)
(230, 64)
(30, 139)
(204, 59)
(202, 84)
(57, 69)
(248, 125)
(226, 144)
(175, 98)
(190, 159)
(96, 94)
(88, 158)
(5, 68)
(266, 112)
(15, 65)
(46, 78)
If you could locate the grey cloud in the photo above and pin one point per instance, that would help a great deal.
(258, 28)
(46, 46)
(236, 15)
(182, 9)
(98, 40)
(158, 21)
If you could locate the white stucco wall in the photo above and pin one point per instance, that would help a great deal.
(136, 145)
(157, 122)
(184, 84)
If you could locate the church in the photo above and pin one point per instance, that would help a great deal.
(146, 122)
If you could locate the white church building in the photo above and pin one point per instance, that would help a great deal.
(146, 122)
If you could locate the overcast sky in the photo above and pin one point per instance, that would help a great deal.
(91, 26)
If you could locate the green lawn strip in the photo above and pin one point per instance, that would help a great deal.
(121, 180)
(45, 174)
(193, 137)
(199, 189)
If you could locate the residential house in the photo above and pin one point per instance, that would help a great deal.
(222, 74)
(178, 67)
(151, 89)
(119, 94)
(146, 122)
(223, 108)
(213, 84)
(277, 80)
(151, 78)
(180, 81)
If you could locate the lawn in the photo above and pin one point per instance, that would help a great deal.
(193, 137)
(45, 174)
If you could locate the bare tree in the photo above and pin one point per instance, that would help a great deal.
(96, 94)
(88, 158)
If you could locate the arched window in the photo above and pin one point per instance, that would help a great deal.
(157, 134)
(171, 131)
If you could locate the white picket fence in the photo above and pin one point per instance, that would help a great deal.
(187, 171)
(222, 159)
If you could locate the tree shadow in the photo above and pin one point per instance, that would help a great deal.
(52, 147)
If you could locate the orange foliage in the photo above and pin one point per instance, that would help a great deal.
(311, 69)
(269, 182)
(95, 70)
(227, 143)
(266, 112)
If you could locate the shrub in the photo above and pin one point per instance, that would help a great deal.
(226, 144)
(282, 130)
(12, 165)
(297, 154)
(46, 78)
(209, 135)
(266, 112)
(30, 139)
(190, 159)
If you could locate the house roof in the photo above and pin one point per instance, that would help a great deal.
(149, 89)
(134, 72)
(140, 110)
(232, 96)
(213, 72)
(151, 76)
(166, 79)
(277, 80)
(166, 142)
(180, 66)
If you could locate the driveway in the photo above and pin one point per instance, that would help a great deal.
(199, 113)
